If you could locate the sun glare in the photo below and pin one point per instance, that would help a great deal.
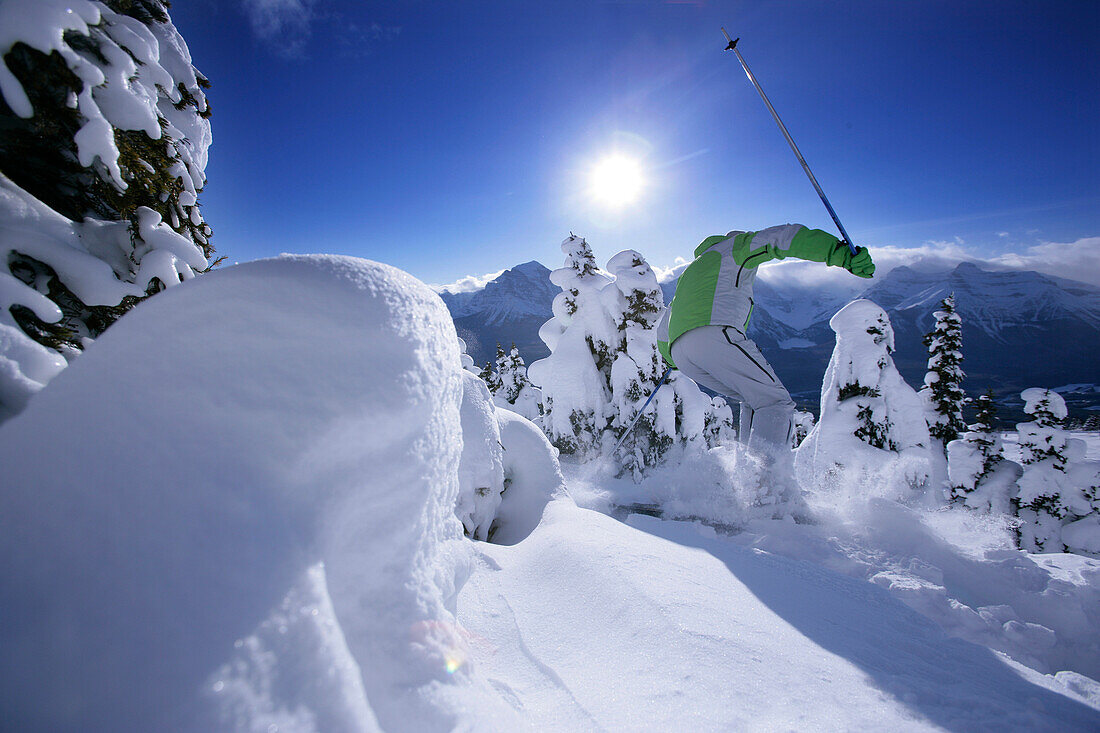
(616, 180)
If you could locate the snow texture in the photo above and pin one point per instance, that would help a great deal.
(592, 624)
(163, 575)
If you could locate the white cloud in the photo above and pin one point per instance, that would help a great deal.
(664, 274)
(284, 24)
(1078, 260)
(469, 283)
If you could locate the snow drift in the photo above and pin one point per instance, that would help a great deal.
(272, 543)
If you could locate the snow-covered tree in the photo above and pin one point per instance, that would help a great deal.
(635, 302)
(719, 427)
(981, 478)
(872, 426)
(106, 130)
(481, 467)
(511, 388)
(513, 373)
(604, 364)
(576, 378)
(1059, 492)
(942, 393)
(803, 424)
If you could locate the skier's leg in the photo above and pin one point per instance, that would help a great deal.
(723, 356)
(692, 356)
(730, 363)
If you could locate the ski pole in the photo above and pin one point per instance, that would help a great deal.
(639, 415)
(790, 141)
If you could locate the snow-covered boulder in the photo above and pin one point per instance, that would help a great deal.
(480, 470)
(872, 435)
(273, 544)
(532, 477)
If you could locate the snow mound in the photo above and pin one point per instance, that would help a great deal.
(256, 526)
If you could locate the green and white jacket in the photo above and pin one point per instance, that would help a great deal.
(716, 288)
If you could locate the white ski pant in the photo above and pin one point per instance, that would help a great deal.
(723, 359)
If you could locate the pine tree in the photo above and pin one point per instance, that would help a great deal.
(942, 393)
(635, 303)
(719, 428)
(575, 378)
(105, 132)
(980, 476)
(803, 424)
(512, 373)
(490, 377)
(1044, 487)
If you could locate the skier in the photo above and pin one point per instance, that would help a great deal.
(703, 329)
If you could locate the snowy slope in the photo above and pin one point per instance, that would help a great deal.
(281, 552)
(592, 624)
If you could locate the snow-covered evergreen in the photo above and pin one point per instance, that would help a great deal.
(1059, 492)
(575, 378)
(942, 392)
(105, 146)
(604, 364)
(510, 386)
(803, 424)
(980, 477)
(872, 429)
(719, 426)
(635, 304)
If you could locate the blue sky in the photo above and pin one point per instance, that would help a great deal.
(457, 138)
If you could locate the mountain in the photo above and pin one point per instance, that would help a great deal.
(509, 309)
(1020, 328)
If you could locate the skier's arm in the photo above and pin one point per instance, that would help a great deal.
(814, 245)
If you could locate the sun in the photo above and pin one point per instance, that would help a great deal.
(616, 180)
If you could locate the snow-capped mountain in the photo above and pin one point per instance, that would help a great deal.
(1020, 328)
(510, 308)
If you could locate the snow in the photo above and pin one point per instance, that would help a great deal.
(282, 551)
(131, 82)
(480, 469)
(655, 625)
(137, 556)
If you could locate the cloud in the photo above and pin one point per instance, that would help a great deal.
(1079, 260)
(283, 24)
(469, 283)
(665, 274)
